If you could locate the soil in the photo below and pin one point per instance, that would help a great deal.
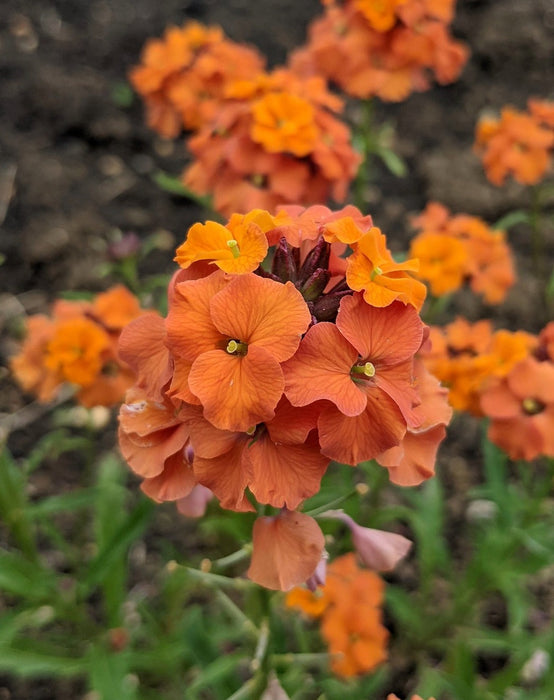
(76, 160)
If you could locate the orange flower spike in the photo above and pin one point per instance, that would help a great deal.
(286, 550)
(283, 123)
(442, 261)
(75, 350)
(237, 250)
(371, 268)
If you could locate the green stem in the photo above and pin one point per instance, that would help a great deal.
(239, 584)
(367, 147)
(537, 240)
(308, 659)
(236, 613)
(234, 558)
(331, 504)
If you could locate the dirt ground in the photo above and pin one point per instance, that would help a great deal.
(76, 164)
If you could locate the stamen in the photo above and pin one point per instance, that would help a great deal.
(368, 369)
(376, 272)
(531, 406)
(234, 247)
(235, 347)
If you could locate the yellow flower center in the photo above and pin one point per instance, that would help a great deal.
(532, 406)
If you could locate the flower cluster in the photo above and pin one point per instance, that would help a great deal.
(78, 343)
(465, 357)
(386, 49)
(277, 356)
(455, 249)
(519, 143)
(350, 608)
(275, 139)
(521, 404)
(183, 76)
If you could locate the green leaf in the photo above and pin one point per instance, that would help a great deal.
(109, 674)
(130, 530)
(25, 578)
(32, 662)
(513, 218)
(174, 185)
(218, 670)
(14, 503)
(396, 165)
(66, 503)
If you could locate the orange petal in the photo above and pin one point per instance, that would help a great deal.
(237, 392)
(190, 330)
(176, 481)
(142, 347)
(416, 460)
(286, 550)
(387, 335)
(292, 425)
(262, 312)
(227, 476)
(146, 459)
(351, 440)
(285, 475)
(321, 370)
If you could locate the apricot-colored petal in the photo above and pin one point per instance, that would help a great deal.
(190, 330)
(497, 401)
(116, 307)
(227, 476)
(142, 416)
(286, 550)
(208, 441)
(142, 347)
(262, 312)
(292, 425)
(176, 480)
(419, 453)
(285, 475)
(179, 387)
(320, 369)
(355, 439)
(386, 335)
(397, 381)
(531, 378)
(237, 392)
(149, 460)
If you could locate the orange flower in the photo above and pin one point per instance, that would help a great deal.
(516, 145)
(238, 247)
(116, 308)
(28, 365)
(75, 350)
(286, 550)
(471, 250)
(442, 261)
(521, 408)
(184, 76)
(384, 48)
(275, 140)
(363, 365)
(371, 268)
(350, 606)
(279, 461)
(284, 122)
(235, 334)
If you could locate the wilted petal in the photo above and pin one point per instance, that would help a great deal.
(286, 550)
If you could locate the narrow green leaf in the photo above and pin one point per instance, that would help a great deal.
(29, 662)
(25, 578)
(13, 504)
(131, 529)
(512, 219)
(393, 161)
(66, 503)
